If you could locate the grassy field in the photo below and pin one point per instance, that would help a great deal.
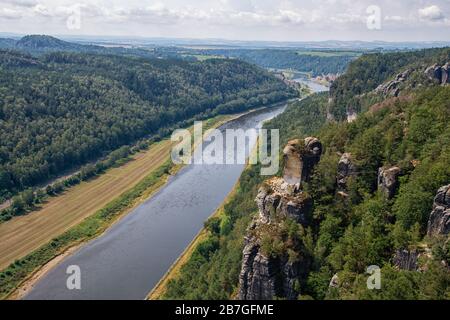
(24, 234)
(330, 53)
(82, 213)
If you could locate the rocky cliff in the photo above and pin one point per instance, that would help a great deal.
(388, 181)
(268, 273)
(300, 157)
(439, 74)
(406, 259)
(392, 87)
(346, 169)
(439, 221)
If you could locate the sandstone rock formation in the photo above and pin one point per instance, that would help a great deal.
(300, 158)
(439, 221)
(438, 73)
(445, 77)
(352, 116)
(262, 276)
(346, 169)
(292, 171)
(334, 282)
(388, 181)
(279, 198)
(406, 259)
(392, 88)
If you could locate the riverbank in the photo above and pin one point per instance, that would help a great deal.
(158, 291)
(173, 272)
(21, 273)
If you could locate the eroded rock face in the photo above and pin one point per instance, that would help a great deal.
(264, 278)
(334, 282)
(311, 156)
(346, 169)
(445, 77)
(438, 73)
(292, 153)
(388, 181)
(406, 260)
(352, 116)
(267, 277)
(279, 198)
(300, 158)
(392, 88)
(439, 221)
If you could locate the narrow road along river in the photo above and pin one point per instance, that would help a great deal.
(130, 258)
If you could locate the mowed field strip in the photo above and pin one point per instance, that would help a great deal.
(24, 234)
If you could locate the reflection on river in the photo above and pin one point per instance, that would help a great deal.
(314, 86)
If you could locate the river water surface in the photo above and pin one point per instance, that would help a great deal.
(135, 253)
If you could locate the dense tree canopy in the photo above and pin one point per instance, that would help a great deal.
(360, 227)
(312, 62)
(65, 109)
(369, 71)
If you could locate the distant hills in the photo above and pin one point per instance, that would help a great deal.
(94, 42)
(39, 44)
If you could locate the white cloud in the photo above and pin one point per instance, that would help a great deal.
(21, 3)
(7, 13)
(395, 18)
(231, 18)
(433, 13)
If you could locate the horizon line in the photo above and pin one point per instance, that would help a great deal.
(130, 37)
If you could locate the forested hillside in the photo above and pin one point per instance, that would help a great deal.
(351, 91)
(60, 110)
(317, 63)
(41, 44)
(358, 217)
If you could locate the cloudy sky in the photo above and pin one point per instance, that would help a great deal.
(283, 20)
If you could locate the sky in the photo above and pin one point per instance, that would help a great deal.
(282, 20)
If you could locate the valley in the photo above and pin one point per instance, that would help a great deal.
(363, 181)
(149, 239)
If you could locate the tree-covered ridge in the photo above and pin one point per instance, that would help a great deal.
(65, 109)
(350, 92)
(355, 225)
(365, 228)
(41, 44)
(288, 59)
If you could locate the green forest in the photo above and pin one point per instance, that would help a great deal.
(62, 110)
(360, 226)
(316, 63)
(353, 89)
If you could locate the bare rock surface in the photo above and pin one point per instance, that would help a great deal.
(264, 277)
(346, 169)
(388, 181)
(439, 221)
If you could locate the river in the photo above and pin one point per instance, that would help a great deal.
(134, 254)
(314, 86)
